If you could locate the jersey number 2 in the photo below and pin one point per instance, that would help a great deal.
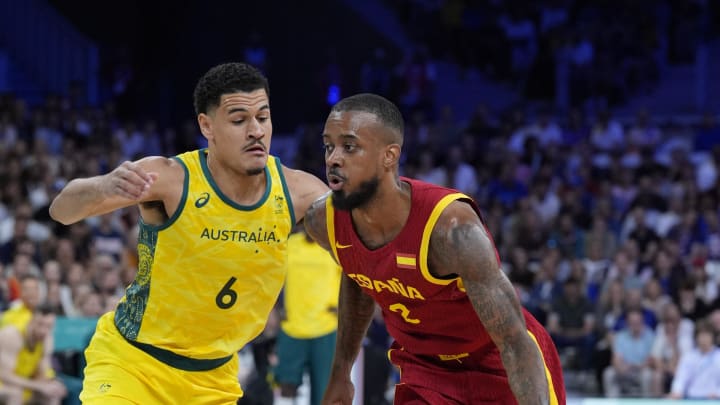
(404, 312)
(227, 296)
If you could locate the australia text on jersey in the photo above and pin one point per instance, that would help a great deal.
(234, 235)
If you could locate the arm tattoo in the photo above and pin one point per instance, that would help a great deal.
(463, 246)
(314, 223)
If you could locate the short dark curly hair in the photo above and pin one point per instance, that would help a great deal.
(225, 79)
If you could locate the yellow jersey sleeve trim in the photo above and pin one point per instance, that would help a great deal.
(330, 223)
(551, 387)
(425, 244)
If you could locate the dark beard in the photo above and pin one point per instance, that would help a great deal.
(347, 202)
(255, 172)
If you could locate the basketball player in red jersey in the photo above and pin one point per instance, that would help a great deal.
(423, 254)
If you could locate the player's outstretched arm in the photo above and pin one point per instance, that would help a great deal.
(460, 245)
(128, 184)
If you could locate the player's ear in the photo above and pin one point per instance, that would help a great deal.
(205, 125)
(391, 157)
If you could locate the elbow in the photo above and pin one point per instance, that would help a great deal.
(56, 215)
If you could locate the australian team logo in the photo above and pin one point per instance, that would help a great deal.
(202, 200)
(279, 204)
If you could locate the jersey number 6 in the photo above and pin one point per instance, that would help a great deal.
(227, 296)
(404, 312)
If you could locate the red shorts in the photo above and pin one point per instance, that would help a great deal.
(474, 378)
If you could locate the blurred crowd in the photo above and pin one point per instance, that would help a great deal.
(611, 51)
(609, 228)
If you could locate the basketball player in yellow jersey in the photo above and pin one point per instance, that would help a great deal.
(212, 251)
(306, 341)
(25, 354)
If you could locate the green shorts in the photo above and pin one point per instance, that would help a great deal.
(295, 356)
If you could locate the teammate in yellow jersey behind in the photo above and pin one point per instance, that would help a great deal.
(26, 347)
(212, 251)
(306, 341)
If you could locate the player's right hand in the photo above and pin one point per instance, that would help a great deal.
(128, 180)
(339, 392)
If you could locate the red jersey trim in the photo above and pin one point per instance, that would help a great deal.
(427, 232)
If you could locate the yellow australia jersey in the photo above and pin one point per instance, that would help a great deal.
(311, 290)
(18, 316)
(28, 360)
(208, 278)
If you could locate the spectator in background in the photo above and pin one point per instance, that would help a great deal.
(629, 372)
(708, 170)
(667, 219)
(668, 272)
(643, 133)
(544, 200)
(52, 279)
(633, 302)
(34, 230)
(607, 133)
(21, 310)
(9, 249)
(654, 298)
(641, 233)
(546, 286)
(698, 372)
(571, 323)
(673, 338)
(8, 130)
(714, 322)
(567, 237)
(691, 306)
(427, 169)
(108, 238)
(459, 174)
(26, 347)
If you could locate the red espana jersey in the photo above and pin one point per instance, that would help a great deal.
(424, 314)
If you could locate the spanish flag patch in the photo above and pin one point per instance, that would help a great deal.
(406, 261)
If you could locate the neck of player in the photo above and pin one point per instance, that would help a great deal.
(242, 188)
(385, 216)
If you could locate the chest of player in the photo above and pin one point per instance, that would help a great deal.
(214, 225)
(396, 275)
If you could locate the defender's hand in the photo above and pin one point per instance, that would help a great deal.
(128, 180)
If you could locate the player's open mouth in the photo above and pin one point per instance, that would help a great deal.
(335, 182)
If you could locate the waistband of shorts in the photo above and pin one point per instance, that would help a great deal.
(178, 361)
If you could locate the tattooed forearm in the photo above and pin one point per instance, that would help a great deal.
(355, 311)
(499, 312)
(460, 244)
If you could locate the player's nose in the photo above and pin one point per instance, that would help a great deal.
(255, 129)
